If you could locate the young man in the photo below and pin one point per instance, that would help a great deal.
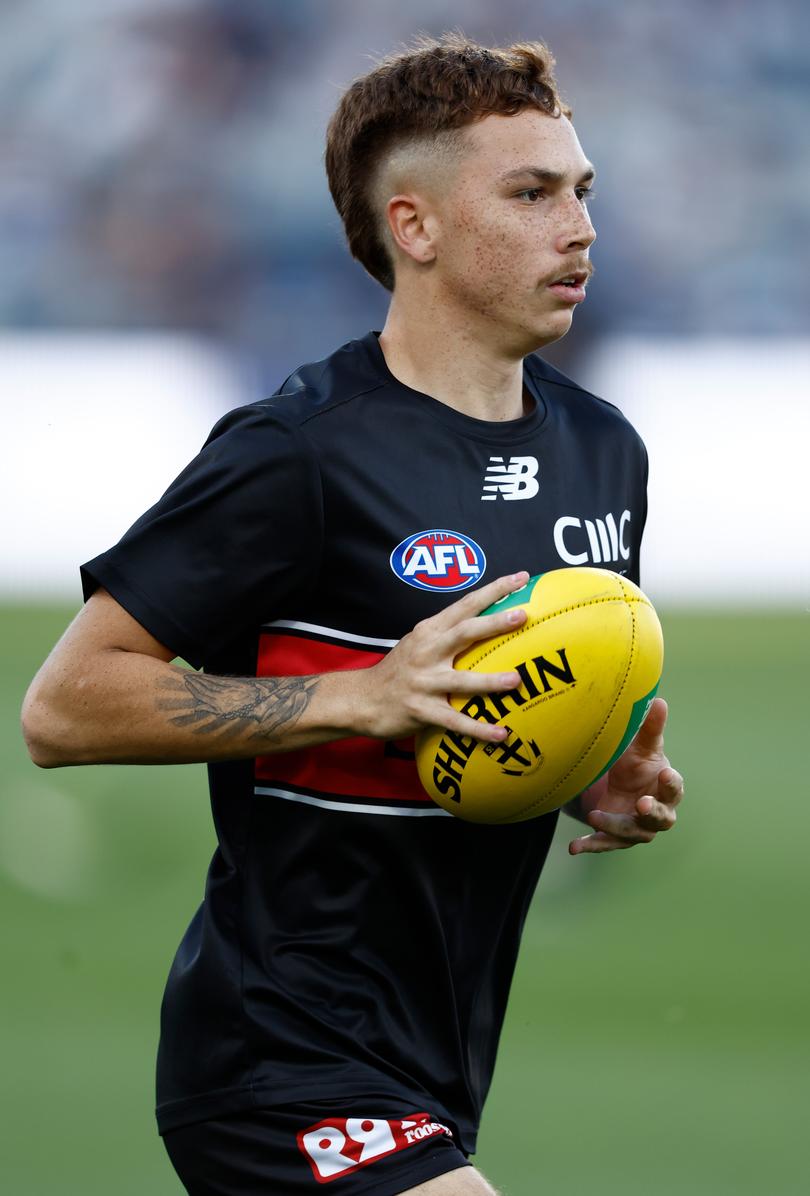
(333, 1012)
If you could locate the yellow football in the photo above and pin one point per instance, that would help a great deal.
(589, 657)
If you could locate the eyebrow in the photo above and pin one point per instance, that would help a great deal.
(544, 176)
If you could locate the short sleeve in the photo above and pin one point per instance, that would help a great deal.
(235, 538)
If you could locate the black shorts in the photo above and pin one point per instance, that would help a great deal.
(373, 1147)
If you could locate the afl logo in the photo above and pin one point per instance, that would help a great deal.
(438, 560)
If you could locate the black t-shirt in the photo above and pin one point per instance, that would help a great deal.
(354, 939)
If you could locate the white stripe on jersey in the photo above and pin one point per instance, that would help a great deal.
(330, 633)
(352, 807)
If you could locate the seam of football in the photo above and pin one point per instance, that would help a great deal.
(536, 621)
(586, 751)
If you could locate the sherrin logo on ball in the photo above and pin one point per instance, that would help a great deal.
(439, 560)
(589, 657)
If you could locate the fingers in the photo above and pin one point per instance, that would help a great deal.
(639, 828)
(616, 831)
(456, 627)
(467, 625)
(477, 600)
(413, 682)
(597, 843)
(613, 832)
(460, 681)
(446, 716)
(441, 713)
(481, 627)
(670, 787)
(655, 815)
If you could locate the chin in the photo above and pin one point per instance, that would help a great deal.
(553, 330)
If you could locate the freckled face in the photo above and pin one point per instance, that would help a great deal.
(513, 221)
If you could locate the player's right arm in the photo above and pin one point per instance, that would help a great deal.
(110, 694)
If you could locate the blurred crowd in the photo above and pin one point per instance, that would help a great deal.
(162, 162)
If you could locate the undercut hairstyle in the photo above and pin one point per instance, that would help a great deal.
(421, 101)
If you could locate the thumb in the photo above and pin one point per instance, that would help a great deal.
(650, 735)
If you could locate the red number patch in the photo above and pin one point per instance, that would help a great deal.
(343, 1144)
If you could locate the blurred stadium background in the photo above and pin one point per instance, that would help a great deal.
(169, 250)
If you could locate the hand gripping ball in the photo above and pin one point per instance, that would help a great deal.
(589, 657)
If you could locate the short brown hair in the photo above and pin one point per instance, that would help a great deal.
(438, 86)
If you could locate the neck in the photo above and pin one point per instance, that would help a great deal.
(431, 350)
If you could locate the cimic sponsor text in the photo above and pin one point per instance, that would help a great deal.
(603, 540)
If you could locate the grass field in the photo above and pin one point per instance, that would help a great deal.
(657, 1040)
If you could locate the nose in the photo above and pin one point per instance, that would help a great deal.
(576, 230)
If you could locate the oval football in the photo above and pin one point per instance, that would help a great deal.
(589, 657)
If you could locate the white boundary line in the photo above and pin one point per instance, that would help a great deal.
(352, 807)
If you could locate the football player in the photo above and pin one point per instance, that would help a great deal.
(333, 1012)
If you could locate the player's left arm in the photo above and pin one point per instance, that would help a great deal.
(636, 798)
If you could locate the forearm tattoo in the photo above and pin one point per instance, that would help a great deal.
(231, 706)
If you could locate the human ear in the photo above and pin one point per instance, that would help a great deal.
(413, 227)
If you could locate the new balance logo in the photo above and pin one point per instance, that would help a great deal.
(514, 480)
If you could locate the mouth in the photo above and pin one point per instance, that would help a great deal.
(570, 287)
